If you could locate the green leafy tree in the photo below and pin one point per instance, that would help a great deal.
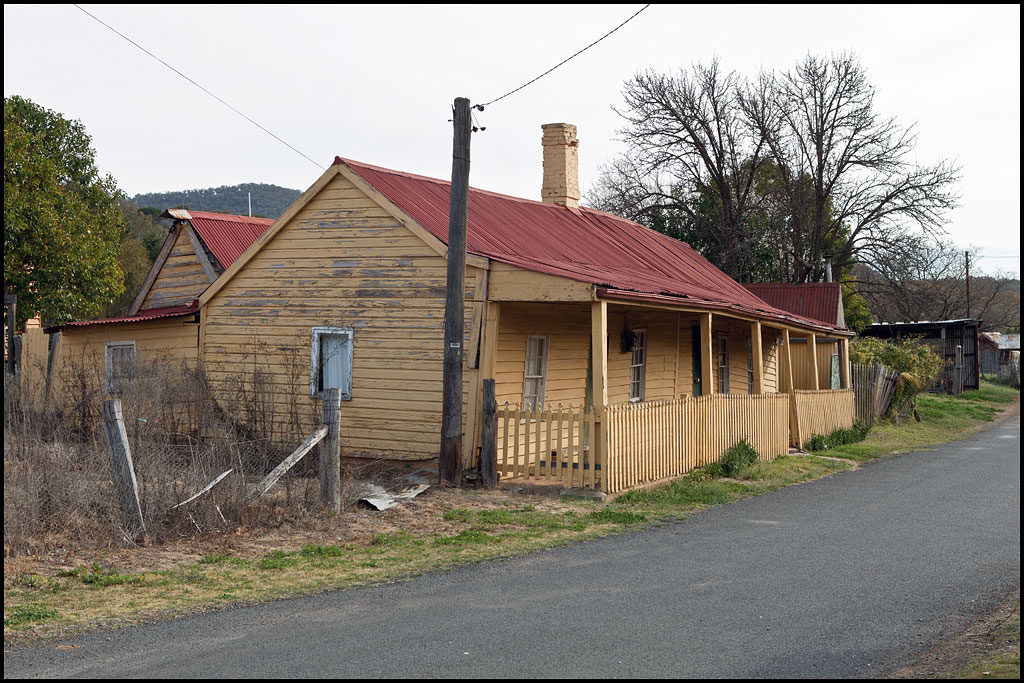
(62, 223)
(855, 308)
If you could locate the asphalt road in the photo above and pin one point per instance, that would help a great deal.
(848, 576)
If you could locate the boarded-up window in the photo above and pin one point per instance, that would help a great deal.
(723, 365)
(120, 365)
(638, 367)
(331, 361)
(534, 378)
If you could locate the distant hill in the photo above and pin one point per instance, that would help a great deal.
(268, 201)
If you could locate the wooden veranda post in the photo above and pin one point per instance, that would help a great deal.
(756, 361)
(330, 451)
(812, 344)
(844, 365)
(788, 388)
(124, 470)
(450, 457)
(599, 350)
(707, 356)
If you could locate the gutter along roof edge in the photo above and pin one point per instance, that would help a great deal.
(789, 320)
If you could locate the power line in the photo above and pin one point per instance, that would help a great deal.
(565, 60)
(202, 88)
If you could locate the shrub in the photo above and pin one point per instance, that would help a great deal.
(738, 456)
(839, 437)
(917, 364)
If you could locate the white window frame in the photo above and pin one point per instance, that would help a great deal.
(314, 361)
(722, 349)
(113, 381)
(638, 367)
(542, 383)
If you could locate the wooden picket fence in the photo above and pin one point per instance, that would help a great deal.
(659, 439)
(548, 443)
(822, 412)
(873, 387)
(644, 442)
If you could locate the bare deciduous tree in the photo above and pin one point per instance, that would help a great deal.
(819, 122)
(929, 282)
(770, 177)
(688, 142)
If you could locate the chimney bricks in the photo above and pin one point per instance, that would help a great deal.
(561, 168)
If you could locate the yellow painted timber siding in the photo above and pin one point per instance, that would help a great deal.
(567, 327)
(669, 371)
(803, 365)
(341, 261)
(825, 349)
(164, 349)
(509, 283)
(737, 332)
(32, 365)
(662, 355)
(181, 279)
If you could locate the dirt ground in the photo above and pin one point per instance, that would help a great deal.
(987, 635)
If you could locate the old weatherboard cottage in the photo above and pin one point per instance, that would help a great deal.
(619, 354)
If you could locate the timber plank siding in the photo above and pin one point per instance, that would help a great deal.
(343, 261)
(181, 279)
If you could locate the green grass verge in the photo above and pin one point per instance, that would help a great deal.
(943, 418)
(96, 596)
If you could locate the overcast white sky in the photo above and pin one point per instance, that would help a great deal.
(376, 83)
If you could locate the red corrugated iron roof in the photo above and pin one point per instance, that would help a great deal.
(227, 236)
(579, 244)
(151, 314)
(814, 300)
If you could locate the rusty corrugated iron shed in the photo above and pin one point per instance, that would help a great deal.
(581, 244)
(815, 300)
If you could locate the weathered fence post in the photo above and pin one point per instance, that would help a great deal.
(11, 302)
(124, 470)
(958, 371)
(330, 452)
(489, 436)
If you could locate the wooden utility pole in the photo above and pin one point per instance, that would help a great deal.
(450, 458)
(967, 271)
(489, 436)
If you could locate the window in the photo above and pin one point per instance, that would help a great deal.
(723, 365)
(331, 361)
(120, 365)
(750, 366)
(638, 367)
(536, 370)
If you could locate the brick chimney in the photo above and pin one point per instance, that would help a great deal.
(561, 169)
